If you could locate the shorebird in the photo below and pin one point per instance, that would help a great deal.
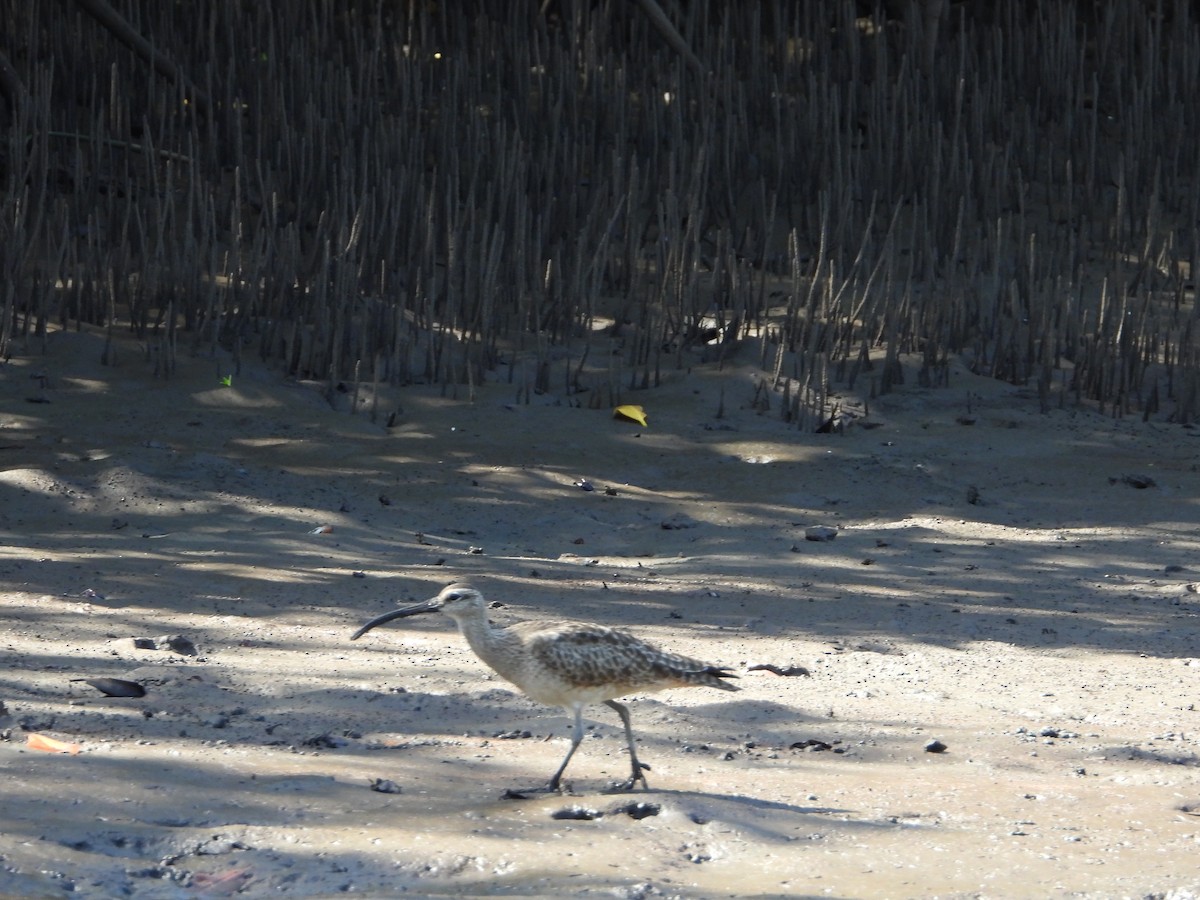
(567, 664)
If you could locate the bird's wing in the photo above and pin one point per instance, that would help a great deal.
(592, 655)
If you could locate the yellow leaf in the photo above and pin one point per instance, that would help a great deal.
(37, 741)
(631, 414)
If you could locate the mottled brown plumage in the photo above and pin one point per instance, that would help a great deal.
(569, 664)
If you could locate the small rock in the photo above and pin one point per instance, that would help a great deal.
(175, 642)
(820, 533)
(812, 745)
(576, 813)
(1134, 480)
(640, 810)
(115, 687)
(784, 671)
(385, 786)
(325, 741)
(677, 523)
(935, 746)
(219, 845)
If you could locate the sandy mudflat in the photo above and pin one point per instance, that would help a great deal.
(998, 583)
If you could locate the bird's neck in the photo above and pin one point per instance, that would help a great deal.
(487, 642)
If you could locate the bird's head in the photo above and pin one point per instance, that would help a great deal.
(457, 601)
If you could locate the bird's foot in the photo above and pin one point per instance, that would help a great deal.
(530, 793)
(637, 775)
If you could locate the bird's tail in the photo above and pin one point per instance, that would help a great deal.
(712, 676)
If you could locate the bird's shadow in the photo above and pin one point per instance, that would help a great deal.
(542, 793)
(756, 803)
(773, 820)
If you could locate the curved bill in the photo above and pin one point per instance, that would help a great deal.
(427, 607)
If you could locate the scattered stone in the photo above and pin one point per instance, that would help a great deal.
(812, 745)
(574, 813)
(697, 856)
(677, 523)
(219, 845)
(784, 671)
(385, 786)
(1141, 482)
(325, 741)
(820, 533)
(638, 810)
(115, 687)
(176, 643)
(935, 746)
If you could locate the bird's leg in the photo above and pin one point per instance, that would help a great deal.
(554, 787)
(576, 737)
(638, 767)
